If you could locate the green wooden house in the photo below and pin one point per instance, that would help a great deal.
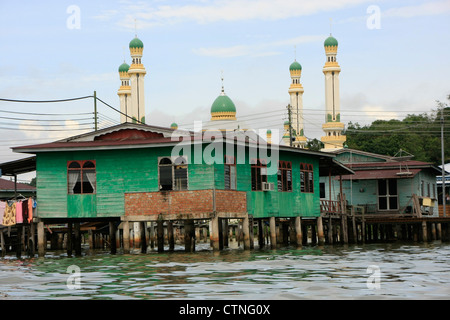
(384, 185)
(136, 172)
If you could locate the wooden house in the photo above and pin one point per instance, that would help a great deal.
(134, 172)
(384, 185)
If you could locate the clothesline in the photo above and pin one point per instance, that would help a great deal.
(17, 211)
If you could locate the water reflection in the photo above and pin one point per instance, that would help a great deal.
(327, 272)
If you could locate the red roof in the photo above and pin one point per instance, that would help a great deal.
(9, 185)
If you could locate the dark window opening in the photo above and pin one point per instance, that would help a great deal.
(81, 177)
(284, 175)
(306, 178)
(258, 173)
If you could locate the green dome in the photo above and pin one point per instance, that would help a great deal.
(295, 66)
(124, 67)
(136, 43)
(223, 104)
(269, 131)
(286, 122)
(174, 125)
(330, 41)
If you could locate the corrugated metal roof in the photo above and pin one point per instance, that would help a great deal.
(382, 174)
(9, 185)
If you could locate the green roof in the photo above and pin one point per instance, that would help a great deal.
(223, 104)
(295, 66)
(330, 41)
(124, 67)
(136, 43)
(173, 125)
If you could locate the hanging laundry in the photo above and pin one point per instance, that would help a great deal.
(19, 216)
(30, 209)
(9, 218)
(25, 211)
(2, 210)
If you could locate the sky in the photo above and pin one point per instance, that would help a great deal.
(393, 55)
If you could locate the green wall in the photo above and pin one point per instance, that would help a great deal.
(136, 170)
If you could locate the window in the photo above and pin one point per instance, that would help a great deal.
(284, 176)
(387, 194)
(173, 174)
(230, 173)
(306, 178)
(259, 173)
(81, 177)
(322, 190)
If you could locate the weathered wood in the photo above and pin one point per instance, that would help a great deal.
(2, 241)
(320, 234)
(298, 231)
(112, 237)
(273, 233)
(77, 236)
(214, 233)
(246, 232)
(160, 235)
(69, 238)
(261, 242)
(170, 235)
(424, 231)
(189, 236)
(126, 236)
(143, 237)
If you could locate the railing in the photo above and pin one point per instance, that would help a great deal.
(330, 207)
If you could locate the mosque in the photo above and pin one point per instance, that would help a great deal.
(223, 110)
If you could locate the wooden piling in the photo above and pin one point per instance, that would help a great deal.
(2, 241)
(112, 237)
(77, 241)
(246, 232)
(298, 231)
(189, 235)
(69, 239)
(261, 241)
(273, 233)
(170, 235)
(424, 231)
(160, 235)
(126, 236)
(320, 234)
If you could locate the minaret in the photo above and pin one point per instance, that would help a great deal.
(296, 95)
(286, 135)
(124, 92)
(333, 139)
(269, 136)
(223, 107)
(137, 73)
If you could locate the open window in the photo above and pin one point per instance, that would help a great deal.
(387, 194)
(306, 178)
(284, 176)
(173, 173)
(259, 173)
(81, 177)
(230, 173)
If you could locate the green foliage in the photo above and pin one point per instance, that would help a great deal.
(419, 135)
(314, 145)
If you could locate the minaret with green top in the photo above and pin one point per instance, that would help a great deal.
(137, 73)
(296, 100)
(124, 92)
(333, 127)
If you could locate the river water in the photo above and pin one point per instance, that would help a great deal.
(365, 271)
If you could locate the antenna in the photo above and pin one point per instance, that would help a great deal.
(223, 91)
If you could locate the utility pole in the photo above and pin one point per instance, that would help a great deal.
(290, 124)
(95, 110)
(443, 162)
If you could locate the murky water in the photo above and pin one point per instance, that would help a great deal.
(406, 271)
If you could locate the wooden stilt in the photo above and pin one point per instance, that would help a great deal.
(246, 232)
(2, 241)
(320, 234)
(330, 230)
(298, 231)
(220, 234)
(273, 233)
(69, 238)
(160, 235)
(189, 235)
(424, 231)
(438, 231)
(77, 241)
(126, 237)
(261, 241)
(170, 235)
(251, 232)
(112, 237)
(214, 233)
(143, 237)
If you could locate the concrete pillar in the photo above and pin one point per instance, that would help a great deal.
(273, 232)
(320, 234)
(298, 231)
(214, 233)
(246, 231)
(126, 237)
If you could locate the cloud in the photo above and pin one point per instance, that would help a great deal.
(379, 112)
(424, 9)
(256, 50)
(204, 12)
